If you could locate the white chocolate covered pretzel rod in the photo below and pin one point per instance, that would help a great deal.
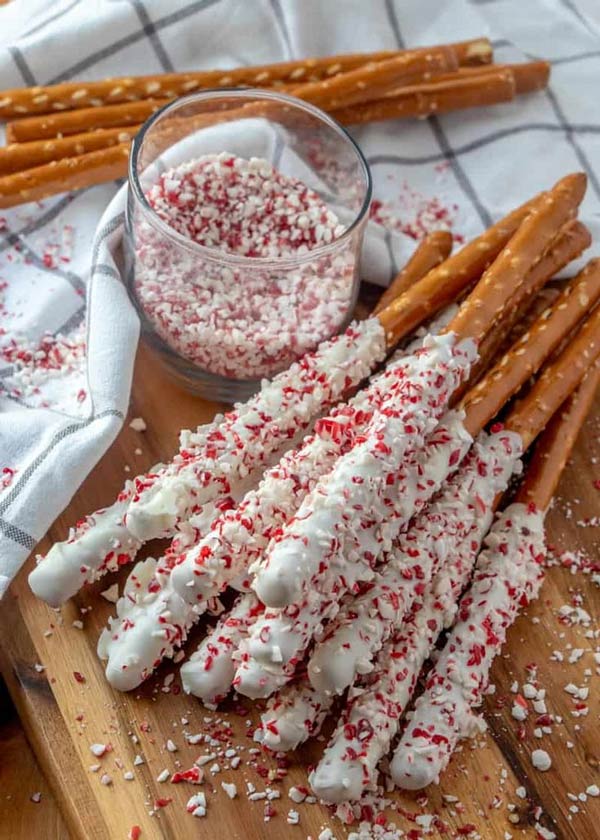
(208, 673)
(371, 717)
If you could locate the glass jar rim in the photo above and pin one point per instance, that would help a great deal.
(209, 253)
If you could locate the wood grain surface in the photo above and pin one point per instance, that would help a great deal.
(63, 716)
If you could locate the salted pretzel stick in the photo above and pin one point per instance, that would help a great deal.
(433, 98)
(375, 79)
(529, 76)
(508, 575)
(70, 95)
(76, 122)
(533, 347)
(569, 244)
(18, 157)
(72, 173)
(429, 253)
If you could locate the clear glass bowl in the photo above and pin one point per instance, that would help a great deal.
(223, 321)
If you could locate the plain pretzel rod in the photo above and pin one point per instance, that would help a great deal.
(376, 79)
(429, 253)
(556, 443)
(529, 76)
(17, 157)
(508, 575)
(73, 95)
(560, 376)
(429, 97)
(570, 242)
(505, 378)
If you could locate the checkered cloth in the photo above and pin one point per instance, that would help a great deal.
(63, 398)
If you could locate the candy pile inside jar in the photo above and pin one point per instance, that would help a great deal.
(228, 316)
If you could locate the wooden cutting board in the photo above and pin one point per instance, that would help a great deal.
(63, 716)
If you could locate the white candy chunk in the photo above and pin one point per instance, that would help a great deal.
(541, 760)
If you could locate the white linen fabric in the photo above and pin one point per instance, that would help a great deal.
(67, 330)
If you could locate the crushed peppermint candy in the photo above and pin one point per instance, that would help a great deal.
(229, 317)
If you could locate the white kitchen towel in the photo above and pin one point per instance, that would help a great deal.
(67, 331)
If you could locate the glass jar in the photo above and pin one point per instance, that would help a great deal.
(224, 317)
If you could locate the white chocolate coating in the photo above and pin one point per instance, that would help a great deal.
(247, 437)
(241, 535)
(371, 717)
(99, 544)
(208, 673)
(363, 623)
(293, 715)
(152, 621)
(356, 509)
(509, 573)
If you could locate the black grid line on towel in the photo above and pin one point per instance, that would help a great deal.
(40, 222)
(416, 160)
(440, 135)
(571, 137)
(280, 21)
(572, 8)
(23, 248)
(44, 23)
(22, 66)
(152, 36)
(128, 40)
(64, 433)
(16, 535)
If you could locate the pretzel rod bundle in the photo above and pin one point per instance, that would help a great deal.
(73, 95)
(346, 650)
(350, 762)
(280, 637)
(226, 452)
(366, 478)
(534, 346)
(134, 642)
(508, 575)
(571, 241)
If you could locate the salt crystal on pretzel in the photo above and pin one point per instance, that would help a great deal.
(371, 717)
(208, 673)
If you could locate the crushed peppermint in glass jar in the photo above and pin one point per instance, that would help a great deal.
(215, 308)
